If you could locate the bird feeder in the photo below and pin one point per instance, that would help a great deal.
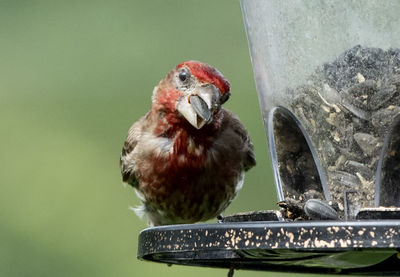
(328, 80)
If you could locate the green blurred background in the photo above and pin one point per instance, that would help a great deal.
(74, 75)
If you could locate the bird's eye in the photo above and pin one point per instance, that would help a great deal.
(182, 76)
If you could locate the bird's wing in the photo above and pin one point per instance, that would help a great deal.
(127, 158)
(249, 159)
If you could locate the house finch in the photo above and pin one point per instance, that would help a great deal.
(187, 156)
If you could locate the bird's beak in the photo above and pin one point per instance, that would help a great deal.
(199, 105)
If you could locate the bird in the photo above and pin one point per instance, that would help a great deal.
(186, 157)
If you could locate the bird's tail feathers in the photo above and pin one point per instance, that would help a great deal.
(140, 211)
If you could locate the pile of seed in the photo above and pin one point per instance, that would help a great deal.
(347, 108)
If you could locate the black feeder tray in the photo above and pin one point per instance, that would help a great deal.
(262, 241)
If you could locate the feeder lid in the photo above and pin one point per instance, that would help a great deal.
(262, 241)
